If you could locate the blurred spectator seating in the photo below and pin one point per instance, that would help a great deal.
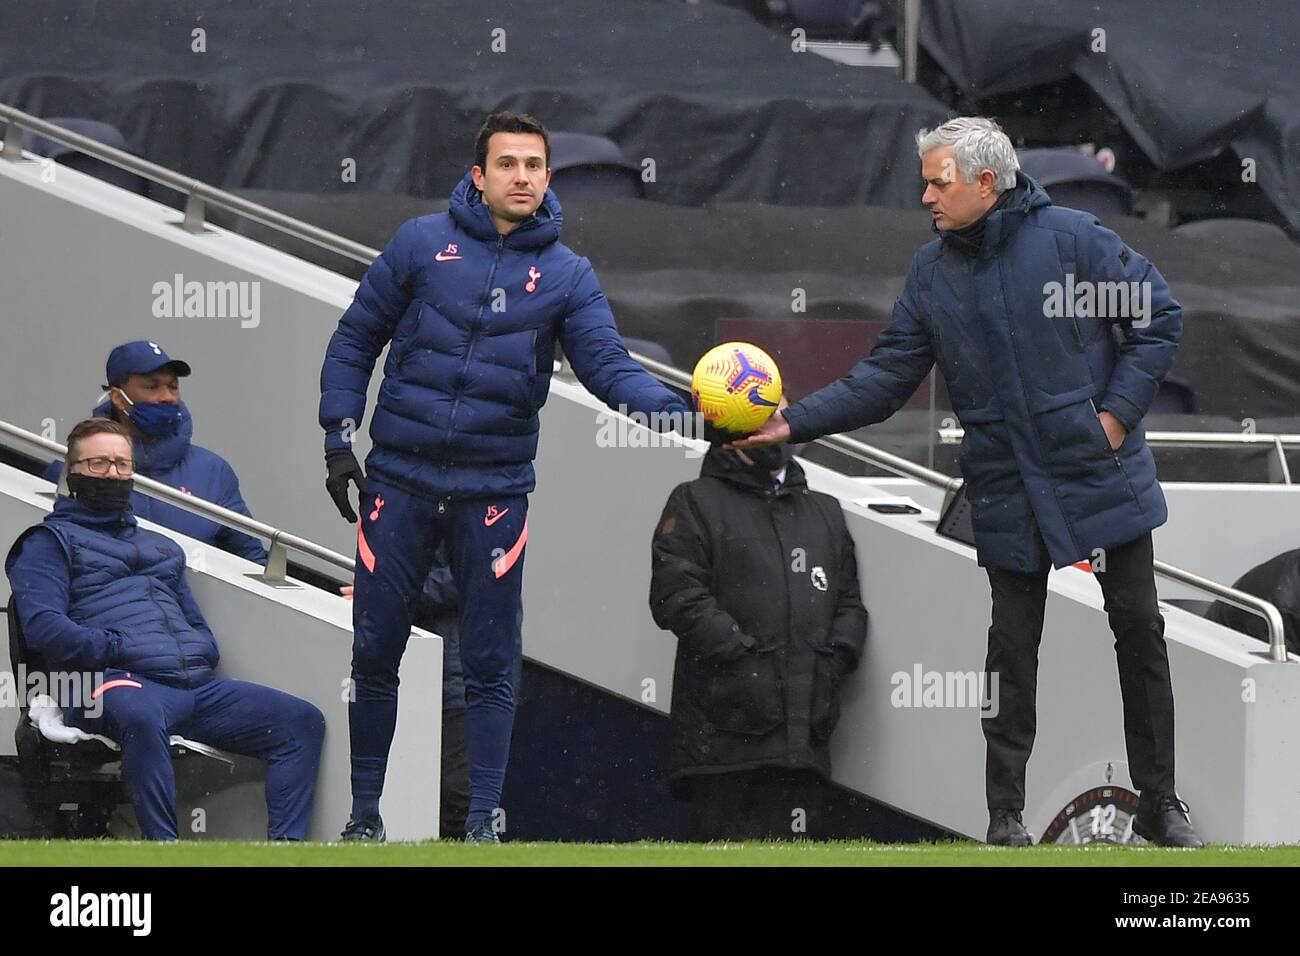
(1077, 180)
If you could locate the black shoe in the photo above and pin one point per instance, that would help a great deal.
(1161, 818)
(365, 830)
(1005, 828)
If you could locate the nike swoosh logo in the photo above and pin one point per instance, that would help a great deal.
(443, 257)
(495, 518)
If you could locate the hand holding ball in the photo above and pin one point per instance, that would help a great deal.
(736, 386)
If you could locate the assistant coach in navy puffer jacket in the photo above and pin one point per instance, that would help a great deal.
(472, 302)
(1017, 302)
(97, 594)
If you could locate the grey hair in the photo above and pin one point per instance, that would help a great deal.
(977, 143)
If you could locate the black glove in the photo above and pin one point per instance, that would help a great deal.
(343, 467)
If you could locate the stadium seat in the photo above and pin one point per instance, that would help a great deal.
(860, 20)
(67, 156)
(1192, 605)
(1232, 231)
(592, 167)
(1077, 180)
(71, 789)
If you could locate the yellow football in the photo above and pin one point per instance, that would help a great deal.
(736, 386)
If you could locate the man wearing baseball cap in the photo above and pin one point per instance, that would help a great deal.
(144, 396)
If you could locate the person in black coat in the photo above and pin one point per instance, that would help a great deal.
(1276, 580)
(756, 576)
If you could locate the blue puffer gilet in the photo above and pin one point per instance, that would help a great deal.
(125, 579)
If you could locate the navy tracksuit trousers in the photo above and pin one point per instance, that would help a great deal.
(397, 535)
(234, 715)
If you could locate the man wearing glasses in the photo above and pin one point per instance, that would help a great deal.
(95, 592)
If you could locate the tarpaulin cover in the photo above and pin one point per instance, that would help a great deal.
(1187, 80)
(285, 93)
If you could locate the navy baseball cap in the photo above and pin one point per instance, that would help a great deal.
(140, 358)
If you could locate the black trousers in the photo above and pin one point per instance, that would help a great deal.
(455, 776)
(1129, 588)
(763, 804)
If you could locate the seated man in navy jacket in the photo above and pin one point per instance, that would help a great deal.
(97, 593)
(144, 396)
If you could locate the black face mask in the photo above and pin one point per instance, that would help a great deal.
(101, 494)
(771, 457)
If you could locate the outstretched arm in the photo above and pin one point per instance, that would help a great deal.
(590, 339)
(872, 391)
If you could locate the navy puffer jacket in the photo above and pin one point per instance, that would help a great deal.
(95, 591)
(473, 318)
(1027, 380)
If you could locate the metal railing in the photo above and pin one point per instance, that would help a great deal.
(948, 483)
(198, 193)
(1280, 441)
(279, 542)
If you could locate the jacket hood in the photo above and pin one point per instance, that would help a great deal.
(1025, 195)
(725, 464)
(472, 215)
(163, 454)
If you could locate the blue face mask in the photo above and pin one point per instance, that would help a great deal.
(155, 419)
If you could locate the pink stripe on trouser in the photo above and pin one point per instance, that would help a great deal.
(507, 561)
(363, 548)
(118, 682)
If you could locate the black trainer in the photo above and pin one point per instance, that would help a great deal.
(1006, 829)
(365, 830)
(1162, 819)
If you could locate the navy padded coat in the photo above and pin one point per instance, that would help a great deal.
(1026, 381)
(473, 318)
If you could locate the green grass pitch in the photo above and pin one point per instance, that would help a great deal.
(89, 853)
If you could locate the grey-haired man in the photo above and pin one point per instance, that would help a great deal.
(1056, 466)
